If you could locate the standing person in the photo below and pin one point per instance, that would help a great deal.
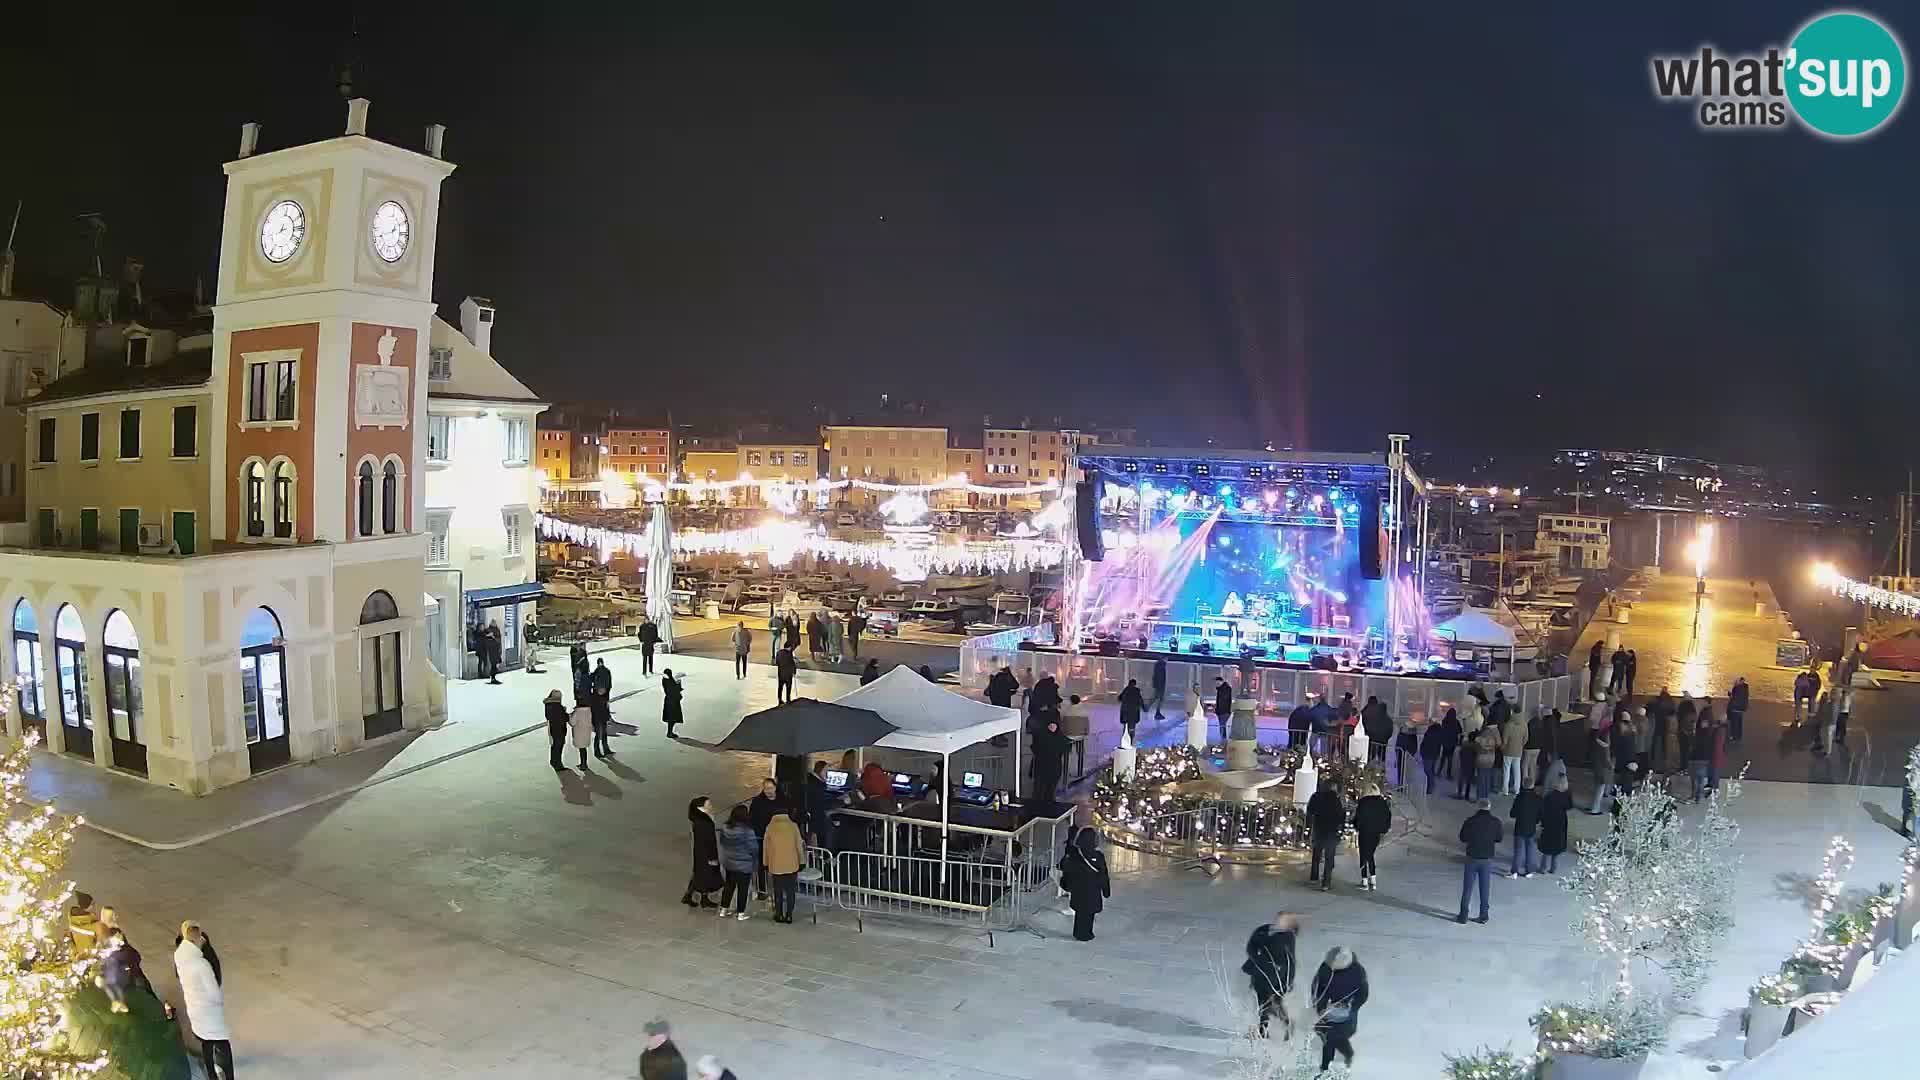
(670, 702)
(1660, 711)
(1601, 753)
(1083, 873)
(1737, 699)
(491, 635)
(870, 672)
(1593, 671)
(1526, 811)
(1432, 749)
(1481, 835)
(1270, 966)
(1486, 761)
(533, 636)
(1800, 696)
(856, 625)
(706, 877)
(1513, 744)
(792, 630)
(1530, 750)
(784, 668)
(1618, 680)
(581, 723)
(1684, 715)
(649, 640)
(776, 626)
(1339, 989)
(1001, 688)
(765, 804)
(661, 1059)
(816, 636)
(1222, 705)
(1372, 817)
(1713, 732)
(1643, 741)
(205, 999)
(1049, 758)
(1449, 740)
(1327, 816)
(1044, 698)
(739, 857)
(1700, 752)
(1131, 704)
(1378, 725)
(1159, 684)
(742, 645)
(602, 708)
(557, 724)
(1633, 669)
(1552, 835)
(783, 853)
(577, 663)
(836, 637)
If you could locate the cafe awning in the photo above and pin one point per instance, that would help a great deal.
(501, 595)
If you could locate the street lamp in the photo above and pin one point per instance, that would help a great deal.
(1699, 549)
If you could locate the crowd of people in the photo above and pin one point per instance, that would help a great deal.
(1338, 990)
(98, 931)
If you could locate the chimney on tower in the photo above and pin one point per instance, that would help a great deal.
(476, 321)
(249, 138)
(357, 116)
(436, 138)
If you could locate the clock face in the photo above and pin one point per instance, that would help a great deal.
(391, 230)
(283, 231)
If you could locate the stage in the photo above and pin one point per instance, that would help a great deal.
(1315, 559)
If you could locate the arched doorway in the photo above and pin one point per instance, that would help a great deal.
(70, 669)
(28, 674)
(263, 690)
(380, 688)
(120, 647)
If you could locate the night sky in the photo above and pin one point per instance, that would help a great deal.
(1309, 224)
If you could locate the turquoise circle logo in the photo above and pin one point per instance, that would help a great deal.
(1846, 74)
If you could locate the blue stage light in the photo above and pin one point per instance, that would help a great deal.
(1226, 491)
(1334, 495)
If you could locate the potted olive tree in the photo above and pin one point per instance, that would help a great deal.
(1609, 1040)
(1769, 1006)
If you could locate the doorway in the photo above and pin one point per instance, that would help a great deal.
(263, 691)
(380, 684)
(120, 647)
(28, 674)
(70, 669)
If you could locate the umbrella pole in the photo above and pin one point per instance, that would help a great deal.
(946, 765)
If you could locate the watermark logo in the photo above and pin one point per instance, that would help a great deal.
(1843, 75)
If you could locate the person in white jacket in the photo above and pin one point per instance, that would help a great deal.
(205, 1000)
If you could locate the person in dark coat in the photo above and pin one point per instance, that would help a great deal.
(1593, 671)
(670, 702)
(1633, 669)
(816, 636)
(1737, 699)
(1683, 723)
(649, 640)
(490, 643)
(1481, 835)
(784, 668)
(1002, 687)
(1159, 683)
(661, 1059)
(1527, 807)
(1327, 815)
(1450, 735)
(582, 671)
(1661, 712)
(870, 672)
(1083, 873)
(759, 813)
(1270, 964)
(557, 717)
(1378, 724)
(1132, 702)
(1432, 748)
(1222, 705)
(1339, 989)
(1045, 697)
(1618, 679)
(1372, 817)
(1300, 725)
(926, 672)
(1552, 837)
(1049, 759)
(706, 876)
(602, 704)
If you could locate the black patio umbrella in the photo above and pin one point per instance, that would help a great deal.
(806, 726)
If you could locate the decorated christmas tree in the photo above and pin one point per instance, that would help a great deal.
(40, 972)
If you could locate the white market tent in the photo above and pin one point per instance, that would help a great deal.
(934, 721)
(1475, 627)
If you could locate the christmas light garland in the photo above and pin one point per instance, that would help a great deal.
(782, 541)
(1142, 809)
(1899, 603)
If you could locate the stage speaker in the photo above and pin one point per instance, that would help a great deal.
(1086, 518)
(1371, 539)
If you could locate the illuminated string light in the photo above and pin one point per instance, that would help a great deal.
(1829, 578)
(782, 540)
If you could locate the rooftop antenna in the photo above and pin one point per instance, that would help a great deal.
(6, 258)
(97, 225)
(343, 81)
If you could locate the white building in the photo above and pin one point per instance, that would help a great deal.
(1576, 541)
(481, 494)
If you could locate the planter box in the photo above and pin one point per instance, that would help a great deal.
(1802, 1015)
(1582, 1067)
(1766, 1024)
(1850, 965)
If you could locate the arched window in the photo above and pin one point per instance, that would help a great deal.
(70, 671)
(380, 688)
(26, 665)
(365, 498)
(120, 647)
(255, 481)
(263, 690)
(390, 497)
(283, 477)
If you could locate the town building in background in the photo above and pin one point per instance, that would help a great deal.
(964, 458)
(481, 491)
(1020, 456)
(553, 453)
(791, 458)
(223, 569)
(638, 453)
(893, 454)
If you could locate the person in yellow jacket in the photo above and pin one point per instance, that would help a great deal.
(784, 853)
